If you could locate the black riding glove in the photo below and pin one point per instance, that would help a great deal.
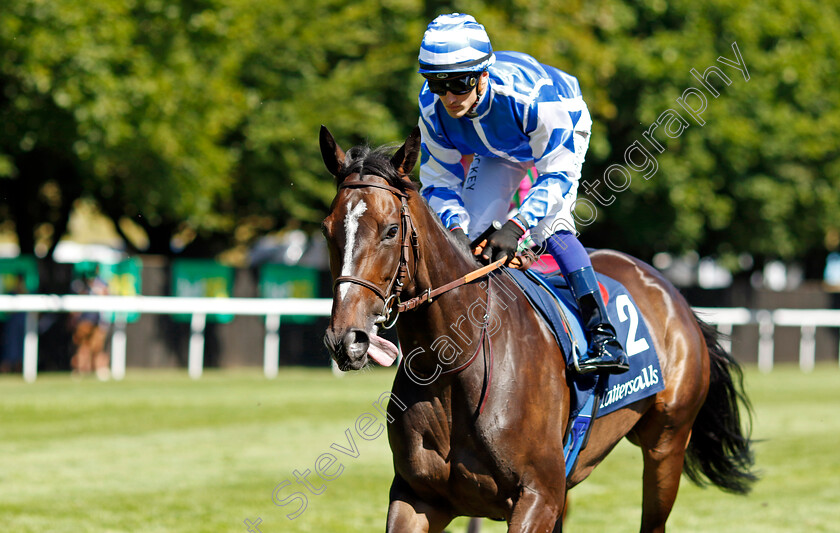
(503, 243)
(461, 237)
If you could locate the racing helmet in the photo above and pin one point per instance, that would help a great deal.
(455, 43)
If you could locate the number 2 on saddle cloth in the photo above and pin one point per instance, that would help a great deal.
(593, 396)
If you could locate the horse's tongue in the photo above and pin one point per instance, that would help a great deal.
(382, 351)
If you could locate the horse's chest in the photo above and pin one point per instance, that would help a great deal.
(451, 465)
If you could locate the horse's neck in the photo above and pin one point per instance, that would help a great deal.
(454, 322)
(440, 261)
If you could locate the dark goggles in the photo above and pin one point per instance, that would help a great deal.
(457, 85)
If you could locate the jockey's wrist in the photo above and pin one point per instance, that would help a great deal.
(520, 222)
(452, 223)
(460, 235)
(513, 227)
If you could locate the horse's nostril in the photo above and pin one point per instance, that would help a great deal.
(356, 343)
(359, 336)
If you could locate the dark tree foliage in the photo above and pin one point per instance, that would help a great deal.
(199, 119)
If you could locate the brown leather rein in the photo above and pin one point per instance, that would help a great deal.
(408, 237)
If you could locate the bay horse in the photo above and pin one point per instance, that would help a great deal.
(480, 405)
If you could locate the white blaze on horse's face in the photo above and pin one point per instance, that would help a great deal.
(351, 226)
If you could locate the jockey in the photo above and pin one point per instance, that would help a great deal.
(510, 112)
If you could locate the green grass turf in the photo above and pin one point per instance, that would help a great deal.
(159, 452)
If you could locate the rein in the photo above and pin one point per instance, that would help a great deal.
(408, 235)
(429, 294)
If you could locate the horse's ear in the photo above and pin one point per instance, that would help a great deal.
(330, 151)
(406, 157)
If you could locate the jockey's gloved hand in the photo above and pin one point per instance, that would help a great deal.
(461, 237)
(503, 242)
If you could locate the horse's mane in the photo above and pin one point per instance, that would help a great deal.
(365, 160)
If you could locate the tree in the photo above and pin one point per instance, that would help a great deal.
(345, 65)
(761, 174)
(200, 118)
(128, 104)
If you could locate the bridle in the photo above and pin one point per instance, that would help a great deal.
(408, 239)
(391, 297)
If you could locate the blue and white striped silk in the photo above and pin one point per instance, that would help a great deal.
(529, 112)
(455, 43)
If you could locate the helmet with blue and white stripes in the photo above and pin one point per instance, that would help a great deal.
(455, 43)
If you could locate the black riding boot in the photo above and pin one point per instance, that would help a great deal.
(605, 353)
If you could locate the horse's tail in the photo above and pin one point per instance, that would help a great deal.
(720, 449)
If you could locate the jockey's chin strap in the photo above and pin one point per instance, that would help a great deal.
(408, 236)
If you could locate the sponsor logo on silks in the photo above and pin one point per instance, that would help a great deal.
(648, 378)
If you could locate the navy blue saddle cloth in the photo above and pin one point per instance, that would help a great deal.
(551, 296)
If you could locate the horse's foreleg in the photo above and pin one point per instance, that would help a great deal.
(404, 516)
(535, 512)
(409, 514)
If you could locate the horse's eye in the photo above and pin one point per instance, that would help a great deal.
(392, 232)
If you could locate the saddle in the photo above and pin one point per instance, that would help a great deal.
(593, 396)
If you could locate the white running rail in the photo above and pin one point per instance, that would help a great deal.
(198, 308)
(808, 320)
(273, 309)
